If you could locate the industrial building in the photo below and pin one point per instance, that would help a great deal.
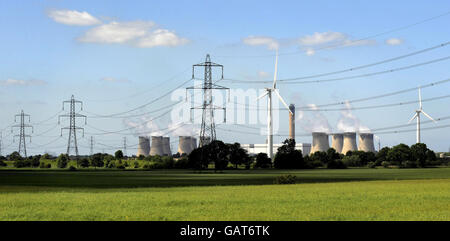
(254, 149)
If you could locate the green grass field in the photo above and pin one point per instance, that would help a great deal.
(351, 194)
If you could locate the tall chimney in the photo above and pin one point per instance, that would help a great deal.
(292, 122)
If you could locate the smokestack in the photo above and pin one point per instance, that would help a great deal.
(337, 142)
(185, 145)
(292, 121)
(349, 142)
(157, 146)
(366, 142)
(144, 146)
(320, 142)
(166, 146)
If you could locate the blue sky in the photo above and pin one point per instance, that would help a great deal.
(117, 55)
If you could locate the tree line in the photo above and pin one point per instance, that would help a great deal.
(219, 156)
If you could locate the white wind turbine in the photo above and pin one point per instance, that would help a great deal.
(417, 115)
(268, 92)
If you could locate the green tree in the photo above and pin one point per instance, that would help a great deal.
(399, 154)
(419, 154)
(263, 161)
(62, 160)
(319, 157)
(96, 160)
(238, 155)
(218, 153)
(381, 156)
(288, 157)
(15, 156)
(118, 155)
(83, 162)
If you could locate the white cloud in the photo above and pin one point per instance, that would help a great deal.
(269, 42)
(321, 39)
(310, 52)
(17, 82)
(72, 17)
(394, 41)
(117, 32)
(161, 37)
(135, 33)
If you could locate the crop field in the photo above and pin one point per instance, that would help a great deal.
(351, 194)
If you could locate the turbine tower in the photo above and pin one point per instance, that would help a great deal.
(417, 116)
(268, 92)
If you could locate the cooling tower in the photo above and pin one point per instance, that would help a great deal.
(349, 142)
(292, 122)
(320, 142)
(157, 146)
(366, 142)
(185, 145)
(166, 146)
(193, 142)
(144, 146)
(337, 141)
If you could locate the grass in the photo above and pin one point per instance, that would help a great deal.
(373, 200)
(176, 178)
(351, 194)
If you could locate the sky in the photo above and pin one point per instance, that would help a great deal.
(129, 62)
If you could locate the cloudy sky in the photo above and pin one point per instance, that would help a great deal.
(119, 57)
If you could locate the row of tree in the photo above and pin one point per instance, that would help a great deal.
(223, 156)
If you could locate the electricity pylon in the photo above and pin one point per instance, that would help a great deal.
(72, 141)
(208, 129)
(22, 135)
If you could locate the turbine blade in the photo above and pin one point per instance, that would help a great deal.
(264, 94)
(282, 101)
(420, 99)
(276, 71)
(414, 116)
(429, 117)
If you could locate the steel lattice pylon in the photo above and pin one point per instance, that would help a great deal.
(22, 135)
(208, 129)
(72, 141)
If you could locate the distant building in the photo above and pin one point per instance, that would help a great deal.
(254, 149)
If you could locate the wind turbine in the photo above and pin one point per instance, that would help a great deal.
(268, 92)
(417, 115)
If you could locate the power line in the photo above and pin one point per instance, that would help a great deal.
(148, 103)
(347, 43)
(357, 68)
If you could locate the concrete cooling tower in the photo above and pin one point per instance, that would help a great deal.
(337, 141)
(349, 142)
(166, 146)
(185, 145)
(193, 142)
(157, 146)
(144, 146)
(320, 142)
(366, 142)
(292, 121)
